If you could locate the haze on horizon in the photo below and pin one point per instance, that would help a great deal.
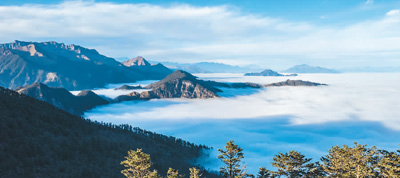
(335, 34)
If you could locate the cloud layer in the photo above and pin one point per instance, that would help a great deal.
(185, 32)
(348, 97)
(354, 107)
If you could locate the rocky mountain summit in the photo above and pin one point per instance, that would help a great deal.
(180, 84)
(69, 66)
(140, 64)
(137, 61)
(62, 98)
(268, 72)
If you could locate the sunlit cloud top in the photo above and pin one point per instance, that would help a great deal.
(183, 32)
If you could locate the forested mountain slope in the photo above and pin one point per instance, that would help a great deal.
(40, 140)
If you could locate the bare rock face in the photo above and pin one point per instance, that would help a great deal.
(181, 84)
(140, 64)
(148, 95)
(68, 66)
(137, 61)
(129, 97)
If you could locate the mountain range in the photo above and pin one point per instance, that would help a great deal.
(69, 66)
(268, 72)
(179, 84)
(209, 67)
(304, 68)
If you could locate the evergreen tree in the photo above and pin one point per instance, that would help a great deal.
(173, 173)
(358, 161)
(294, 164)
(137, 165)
(264, 173)
(232, 157)
(195, 173)
(389, 164)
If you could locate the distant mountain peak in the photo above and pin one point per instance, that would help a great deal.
(68, 65)
(304, 68)
(268, 72)
(86, 93)
(179, 74)
(180, 84)
(137, 61)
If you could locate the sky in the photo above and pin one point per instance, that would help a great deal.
(271, 34)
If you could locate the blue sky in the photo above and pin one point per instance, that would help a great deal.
(274, 34)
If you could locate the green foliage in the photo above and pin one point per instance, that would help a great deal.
(137, 165)
(294, 164)
(357, 161)
(232, 156)
(194, 173)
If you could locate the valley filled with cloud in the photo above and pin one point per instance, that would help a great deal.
(353, 107)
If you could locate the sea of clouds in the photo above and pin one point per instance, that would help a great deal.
(360, 107)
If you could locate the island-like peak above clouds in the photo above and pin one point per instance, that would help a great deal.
(294, 83)
(69, 66)
(180, 84)
(304, 68)
(137, 61)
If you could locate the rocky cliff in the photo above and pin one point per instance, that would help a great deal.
(69, 66)
(180, 84)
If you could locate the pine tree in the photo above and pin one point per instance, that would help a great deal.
(264, 173)
(232, 157)
(389, 164)
(358, 161)
(194, 173)
(173, 173)
(294, 164)
(137, 165)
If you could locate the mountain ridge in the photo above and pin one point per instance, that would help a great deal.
(268, 72)
(304, 68)
(40, 140)
(69, 66)
(62, 98)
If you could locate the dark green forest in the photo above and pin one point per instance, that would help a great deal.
(40, 140)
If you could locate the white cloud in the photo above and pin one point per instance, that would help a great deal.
(349, 97)
(354, 107)
(393, 12)
(369, 2)
(185, 32)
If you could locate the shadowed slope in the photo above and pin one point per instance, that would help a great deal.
(40, 140)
